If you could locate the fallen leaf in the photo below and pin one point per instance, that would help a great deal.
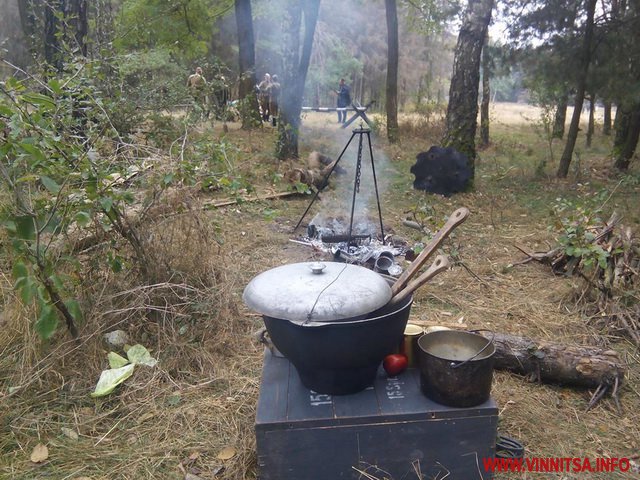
(191, 476)
(194, 456)
(40, 453)
(116, 361)
(139, 354)
(110, 379)
(226, 453)
(70, 433)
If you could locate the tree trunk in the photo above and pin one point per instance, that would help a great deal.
(560, 117)
(591, 127)
(295, 65)
(581, 366)
(14, 36)
(246, 59)
(76, 17)
(486, 95)
(462, 111)
(606, 126)
(28, 22)
(52, 49)
(567, 154)
(392, 71)
(627, 141)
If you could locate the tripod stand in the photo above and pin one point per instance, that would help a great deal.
(360, 132)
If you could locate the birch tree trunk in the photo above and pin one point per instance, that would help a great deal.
(462, 111)
(486, 95)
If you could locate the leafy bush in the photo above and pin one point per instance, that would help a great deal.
(59, 186)
(576, 222)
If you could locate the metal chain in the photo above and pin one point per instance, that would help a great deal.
(359, 166)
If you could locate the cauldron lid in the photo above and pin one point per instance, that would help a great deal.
(312, 292)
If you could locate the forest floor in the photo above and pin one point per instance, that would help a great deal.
(192, 415)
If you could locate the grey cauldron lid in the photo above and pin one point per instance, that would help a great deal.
(312, 292)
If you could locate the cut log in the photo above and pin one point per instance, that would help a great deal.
(582, 366)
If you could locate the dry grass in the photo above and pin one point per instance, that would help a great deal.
(177, 417)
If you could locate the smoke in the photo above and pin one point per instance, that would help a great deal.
(356, 141)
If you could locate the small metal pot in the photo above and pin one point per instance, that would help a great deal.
(456, 367)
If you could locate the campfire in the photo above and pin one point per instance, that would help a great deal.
(330, 235)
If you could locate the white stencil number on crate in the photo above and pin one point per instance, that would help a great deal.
(394, 388)
(317, 399)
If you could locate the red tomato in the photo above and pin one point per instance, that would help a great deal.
(395, 363)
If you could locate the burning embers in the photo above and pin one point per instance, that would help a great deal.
(362, 247)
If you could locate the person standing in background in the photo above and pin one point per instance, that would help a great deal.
(344, 100)
(197, 86)
(274, 97)
(263, 96)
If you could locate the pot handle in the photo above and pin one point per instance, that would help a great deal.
(489, 342)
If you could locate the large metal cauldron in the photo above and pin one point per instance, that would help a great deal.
(456, 368)
(333, 321)
(340, 358)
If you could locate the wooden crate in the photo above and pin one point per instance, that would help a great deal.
(390, 431)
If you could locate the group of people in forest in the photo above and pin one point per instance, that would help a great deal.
(268, 97)
(200, 90)
(268, 92)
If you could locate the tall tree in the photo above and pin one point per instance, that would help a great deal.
(581, 84)
(295, 67)
(56, 28)
(247, 61)
(626, 53)
(53, 55)
(591, 125)
(627, 127)
(560, 116)
(76, 15)
(462, 111)
(392, 71)
(606, 122)
(486, 94)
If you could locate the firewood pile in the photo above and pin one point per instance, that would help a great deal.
(607, 258)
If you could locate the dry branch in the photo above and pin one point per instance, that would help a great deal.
(609, 265)
(233, 201)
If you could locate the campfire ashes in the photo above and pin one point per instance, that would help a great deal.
(327, 234)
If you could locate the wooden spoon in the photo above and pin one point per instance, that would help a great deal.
(440, 264)
(456, 218)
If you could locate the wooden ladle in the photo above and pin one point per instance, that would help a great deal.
(440, 264)
(456, 218)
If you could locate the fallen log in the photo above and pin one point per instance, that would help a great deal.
(581, 366)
